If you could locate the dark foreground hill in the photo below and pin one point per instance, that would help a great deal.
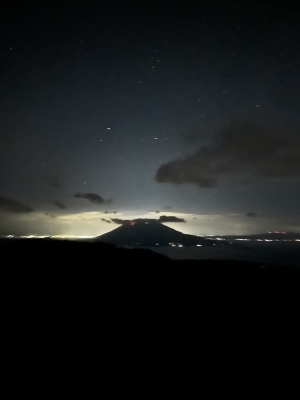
(90, 321)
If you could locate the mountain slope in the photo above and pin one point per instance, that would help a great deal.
(150, 233)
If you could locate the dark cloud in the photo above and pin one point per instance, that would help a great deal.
(59, 204)
(54, 182)
(50, 215)
(252, 215)
(131, 221)
(92, 197)
(170, 218)
(161, 219)
(106, 220)
(192, 169)
(13, 206)
(238, 148)
(167, 208)
(120, 221)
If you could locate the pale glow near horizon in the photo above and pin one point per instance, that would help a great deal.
(95, 223)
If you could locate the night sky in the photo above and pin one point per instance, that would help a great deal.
(116, 110)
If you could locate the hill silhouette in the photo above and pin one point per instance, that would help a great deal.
(91, 320)
(149, 233)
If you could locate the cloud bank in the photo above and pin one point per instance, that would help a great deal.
(161, 219)
(238, 148)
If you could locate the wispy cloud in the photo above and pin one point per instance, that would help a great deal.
(92, 198)
(59, 204)
(13, 206)
(106, 220)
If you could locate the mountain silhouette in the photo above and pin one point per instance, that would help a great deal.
(147, 232)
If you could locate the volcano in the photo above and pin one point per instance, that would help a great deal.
(150, 233)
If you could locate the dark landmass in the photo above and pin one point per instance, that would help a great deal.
(148, 233)
(265, 236)
(90, 321)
